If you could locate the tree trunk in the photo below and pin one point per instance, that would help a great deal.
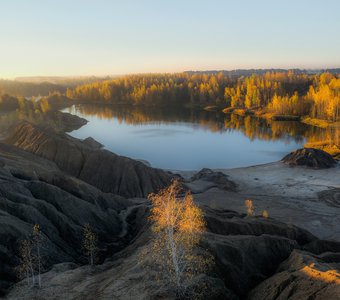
(39, 268)
(174, 256)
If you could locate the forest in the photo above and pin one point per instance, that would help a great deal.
(278, 93)
(270, 93)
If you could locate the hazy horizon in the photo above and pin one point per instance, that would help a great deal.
(142, 73)
(110, 38)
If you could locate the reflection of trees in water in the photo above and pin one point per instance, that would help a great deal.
(328, 140)
(250, 126)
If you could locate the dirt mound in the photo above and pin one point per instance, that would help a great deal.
(309, 157)
(215, 179)
(232, 223)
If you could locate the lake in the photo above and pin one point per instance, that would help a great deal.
(184, 139)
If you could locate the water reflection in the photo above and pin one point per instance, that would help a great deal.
(252, 127)
(189, 139)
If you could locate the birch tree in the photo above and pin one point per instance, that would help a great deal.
(26, 267)
(89, 243)
(177, 225)
(30, 257)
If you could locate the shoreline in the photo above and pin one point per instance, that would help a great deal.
(289, 194)
(256, 112)
(187, 172)
(325, 145)
(305, 197)
(260, 113)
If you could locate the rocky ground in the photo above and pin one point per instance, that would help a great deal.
(62, 183)
(302, 196)
(87, 161)
(255, 258)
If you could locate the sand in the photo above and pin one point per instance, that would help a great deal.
(289, 194)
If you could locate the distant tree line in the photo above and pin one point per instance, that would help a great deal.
(284, 93)
(279, 93)
(28, 89)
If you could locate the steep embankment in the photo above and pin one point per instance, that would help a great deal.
(33, 190)
(46, 184)
(103, 169)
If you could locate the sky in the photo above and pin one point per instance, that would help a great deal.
(108, 37)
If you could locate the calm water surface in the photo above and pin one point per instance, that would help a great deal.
(189, 139)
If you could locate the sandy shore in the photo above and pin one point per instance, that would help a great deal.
(289, 194)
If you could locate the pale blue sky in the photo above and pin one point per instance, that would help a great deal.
(101, 37)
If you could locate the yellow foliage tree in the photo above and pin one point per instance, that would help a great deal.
(265, 214)
(178, 225)
(250, 207)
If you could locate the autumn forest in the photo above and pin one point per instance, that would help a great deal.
(279, 93)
